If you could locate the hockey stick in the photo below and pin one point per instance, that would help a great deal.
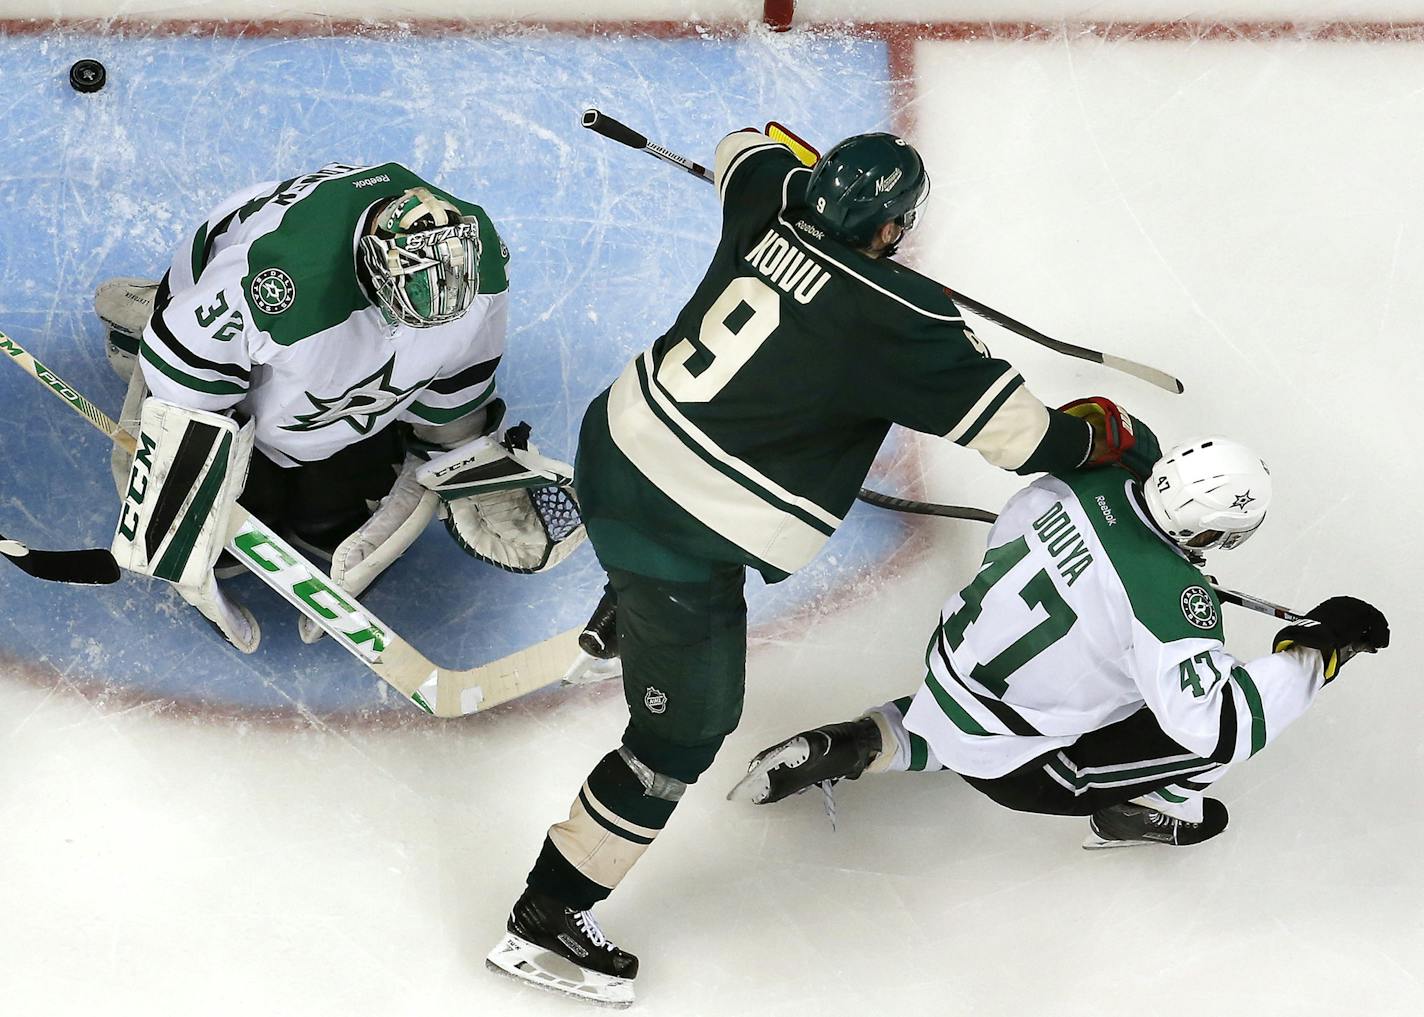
(91, 567)
(441, 691)
(929, 508)
(601, 123)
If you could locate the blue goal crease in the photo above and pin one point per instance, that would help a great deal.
(605, 244)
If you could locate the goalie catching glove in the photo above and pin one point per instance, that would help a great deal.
(1339, 628)
(505, 504)
(1118, 438)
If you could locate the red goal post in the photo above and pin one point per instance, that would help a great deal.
(777, 14)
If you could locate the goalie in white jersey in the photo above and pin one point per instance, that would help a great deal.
(339, 332)
(1083, 671)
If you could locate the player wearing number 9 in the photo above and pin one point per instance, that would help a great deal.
(1083, 670)
(740, 440)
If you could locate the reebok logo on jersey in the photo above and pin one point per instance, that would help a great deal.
(370, 181)
(806, 227)
(1198, 608)
(886, 182)
(1107, 512)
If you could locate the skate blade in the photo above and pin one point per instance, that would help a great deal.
(1095, 843)
(521, 959)
(587, 669)
(756, 785)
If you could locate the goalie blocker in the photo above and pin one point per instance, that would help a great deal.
(189, 468)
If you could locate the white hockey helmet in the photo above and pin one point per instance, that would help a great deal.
(1209, 492)
(424, 259)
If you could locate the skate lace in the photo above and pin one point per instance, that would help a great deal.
(586, 924)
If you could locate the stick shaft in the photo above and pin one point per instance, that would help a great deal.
(929, 508)
(615, 130)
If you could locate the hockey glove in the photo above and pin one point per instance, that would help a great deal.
(1339, 628)
(1118, 438)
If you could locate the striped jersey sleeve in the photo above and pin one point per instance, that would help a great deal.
(467, 384)
(748, 170)
(948, 384)
(1217, 706)
(195, 349)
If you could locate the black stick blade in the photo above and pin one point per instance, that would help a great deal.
(93, 567)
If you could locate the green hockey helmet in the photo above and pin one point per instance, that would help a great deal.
(864, 182)
(423, 257)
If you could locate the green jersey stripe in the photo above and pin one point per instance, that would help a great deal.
(443, 415)
(181, 547)
(713, 455)
(995, 397)
(953, 710)
(724, 505)
(467, 378)
(200, 246)
(1247, 684)
(1005, 714)
(187, 380)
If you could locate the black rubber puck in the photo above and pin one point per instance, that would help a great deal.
(87, 76)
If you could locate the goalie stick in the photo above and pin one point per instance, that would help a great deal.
(89, 567)
(929, 508)
(615, 130)
(444, 692)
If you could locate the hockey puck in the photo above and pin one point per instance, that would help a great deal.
(87, 76)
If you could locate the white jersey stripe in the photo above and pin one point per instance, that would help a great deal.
(720, 503)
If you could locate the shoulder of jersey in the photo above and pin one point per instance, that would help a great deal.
(1168, 595)
(301, 273)
(494, 255)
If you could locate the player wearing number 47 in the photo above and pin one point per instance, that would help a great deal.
(1083, 671)
(740, 440)
(339, 331)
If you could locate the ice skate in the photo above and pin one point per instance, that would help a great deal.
(558, 948)
(1131, 825)
(823, 755)
(598, 646)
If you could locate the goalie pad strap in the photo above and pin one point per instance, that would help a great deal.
(186, 475)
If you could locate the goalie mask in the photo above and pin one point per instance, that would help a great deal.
(1208, 493)
(423, 258)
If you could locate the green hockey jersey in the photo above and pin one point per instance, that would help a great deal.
(745, 432)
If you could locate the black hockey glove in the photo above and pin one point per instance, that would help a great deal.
(1339, 628)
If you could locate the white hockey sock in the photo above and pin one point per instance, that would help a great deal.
(900, 749)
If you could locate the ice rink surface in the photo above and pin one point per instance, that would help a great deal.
(186, 831)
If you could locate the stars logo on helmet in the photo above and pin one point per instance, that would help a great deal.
(1242, 500)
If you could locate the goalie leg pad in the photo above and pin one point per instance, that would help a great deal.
(190, 467)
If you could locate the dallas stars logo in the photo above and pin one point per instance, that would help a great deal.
(361, 405)
(1198, 608)
(1242, 500)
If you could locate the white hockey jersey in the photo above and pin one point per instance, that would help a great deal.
(262, 310)
(1082, 612)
